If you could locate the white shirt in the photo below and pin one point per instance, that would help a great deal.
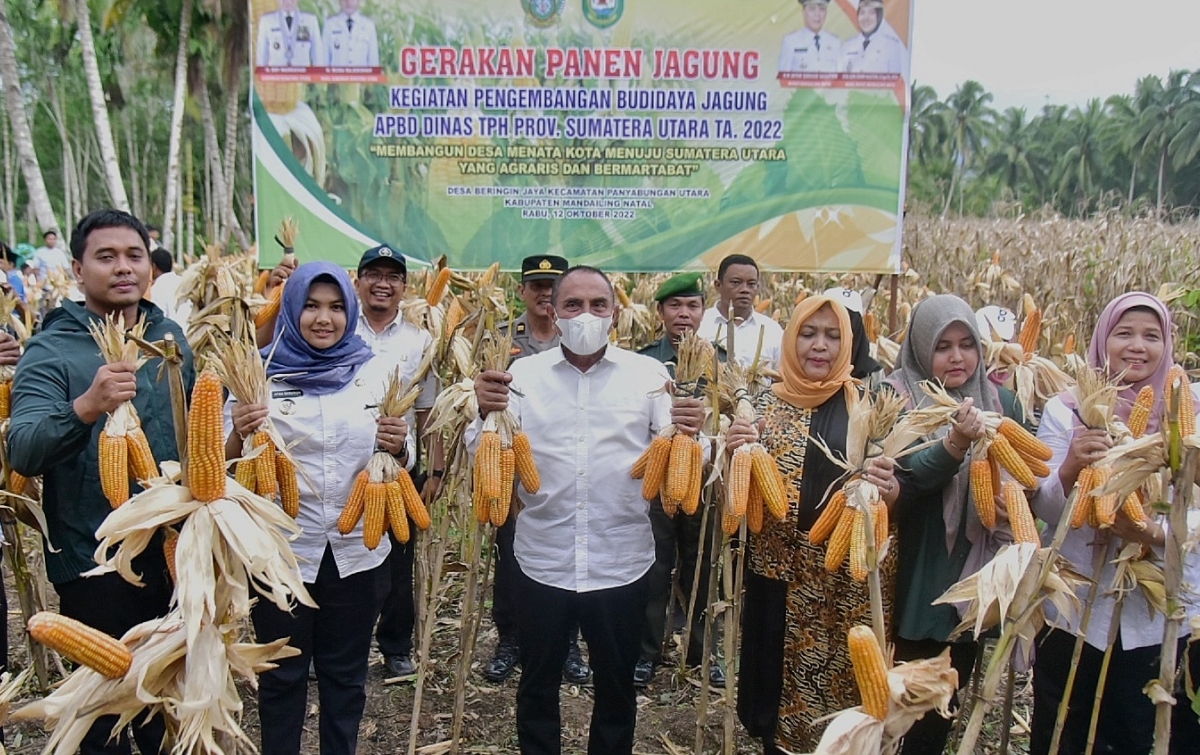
(804, 52)
(882, 52)
(1137, 628)
(588, 527)
(351, 44)
(165, 294)
(298, 45)
(336, 433)
(48, 258)
(404, 344)
(714, 326)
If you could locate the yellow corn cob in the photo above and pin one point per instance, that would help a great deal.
(455, 314)
(997, 477)
(17, 482)
(396, 515)
(730, 523)
(479, 504)
(623, 297)
(437, 289)
(770, 482)
(656, 467)
(871, 325)
(141, 458)
(839, 542)
(981, 488)
(691, 500)
(260, 283)
(170, 545)
(374, 514)
(6, 399)
(487, 466)
(1134, 510)
(1106, 504)
(527, 470)
(498, 509)
(244, 473)
(114, 468)
(739, 479)
(1069, 344)
(870, 671)
(413, 504)
(1039, 468)
(205, 439)
(1012, 461)
(670, 506)
(82, 644)
(1023, 441)
(755, 508)
(828, 520)
(289, 486)
(265, 476)
(1084, 503)
(355, 504)
(679, 468)
(638, 471)
(1187, 404)
(1031, 332)
(879, 513)
(762, 306)
(1020, 518)
(1139, 413)
(858, 547)
(799, 298)
(270, 310)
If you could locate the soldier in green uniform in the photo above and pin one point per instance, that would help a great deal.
(680, 306)
(533, 332)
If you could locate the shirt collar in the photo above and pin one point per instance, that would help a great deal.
(610, 356)
(395, 323)
(723, 319)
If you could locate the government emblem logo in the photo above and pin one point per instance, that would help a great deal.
(603, 13)
(542, 13)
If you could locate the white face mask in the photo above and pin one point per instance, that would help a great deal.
(585, 334)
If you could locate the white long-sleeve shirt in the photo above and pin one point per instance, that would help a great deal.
(402, 344)
(1138, 628)
(714, 326)
(336, 434)
(588, 527)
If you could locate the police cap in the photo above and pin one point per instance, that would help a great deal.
(543, 267)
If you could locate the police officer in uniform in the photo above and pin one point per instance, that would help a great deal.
(533, 332)
(289, 37)
(350, 38)
(877, 49)
(811, 49)
(680, 306)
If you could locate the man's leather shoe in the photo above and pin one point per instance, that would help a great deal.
(716, 676)
(503, 664)
(400, 665)
(643, 674)
(575, 669)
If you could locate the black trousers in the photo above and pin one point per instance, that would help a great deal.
(611, 621)
(394, 633)
(336, 637)
(1126, 723)
(114, 606)
(505, 584)
(928, 736)
(680, 535)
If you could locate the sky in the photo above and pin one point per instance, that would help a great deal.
(1032, 52)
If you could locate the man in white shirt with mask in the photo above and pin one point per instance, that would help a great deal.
(350, 38)
(737, 285)
(584, 542)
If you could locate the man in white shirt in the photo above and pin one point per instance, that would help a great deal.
(584, 542)
(737, 285)
(289, 37)
(350, 38)
(811, 49)
(382, 277)
(164, 291)
(50, 256)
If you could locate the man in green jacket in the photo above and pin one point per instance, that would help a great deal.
(680, 306)
(62, 393)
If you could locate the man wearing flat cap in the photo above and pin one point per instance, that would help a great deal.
(680, 306)
(382, 278)
(811, 49)
(535, 331)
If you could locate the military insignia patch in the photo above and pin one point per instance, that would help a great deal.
(542, 13)
(603, 13)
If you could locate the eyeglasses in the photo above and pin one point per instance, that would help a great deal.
(374, 276)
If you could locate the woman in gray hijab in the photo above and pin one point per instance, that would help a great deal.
(940, 538)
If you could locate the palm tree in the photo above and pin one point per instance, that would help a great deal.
(1010, 153)
(968, 118)
(1079, 165)
(1165, 110)
(1122, 133)
(926, 124)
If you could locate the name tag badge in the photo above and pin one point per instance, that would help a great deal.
(290, 393)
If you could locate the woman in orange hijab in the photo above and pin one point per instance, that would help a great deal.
(794, 666)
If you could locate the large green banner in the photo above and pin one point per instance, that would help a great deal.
(637, 135)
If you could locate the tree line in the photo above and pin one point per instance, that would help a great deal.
(1132, 151)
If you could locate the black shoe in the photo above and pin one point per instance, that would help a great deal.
(575, 669)
(716, 676)
(643, 674)
(502, 665)
(400, 665)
